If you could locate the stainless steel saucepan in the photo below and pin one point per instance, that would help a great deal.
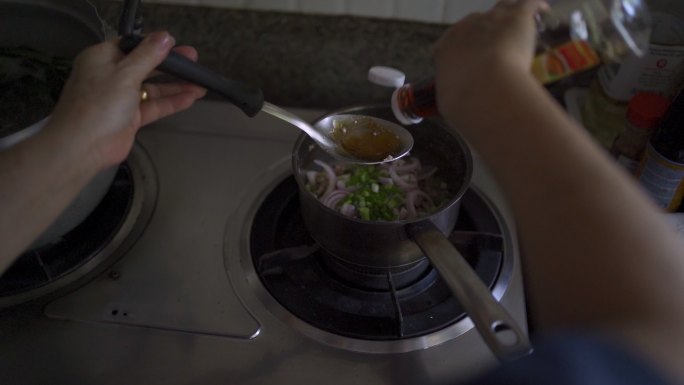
(402, 243)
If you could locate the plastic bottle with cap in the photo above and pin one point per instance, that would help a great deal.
(644, 112)
(410, 103)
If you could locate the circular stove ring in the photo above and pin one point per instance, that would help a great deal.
(241, 270)
(139, 210)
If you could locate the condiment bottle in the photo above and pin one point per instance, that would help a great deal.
(570, 35)
(410, 103)
(644, 112)
(661, 171)
(413, 102)
(659, 70)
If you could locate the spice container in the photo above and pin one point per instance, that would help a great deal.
(661, 172)
(644, 113)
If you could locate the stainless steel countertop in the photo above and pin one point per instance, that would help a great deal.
(193, 315)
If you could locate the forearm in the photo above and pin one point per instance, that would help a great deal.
(40, 177)
(596, 252)
(92, 127)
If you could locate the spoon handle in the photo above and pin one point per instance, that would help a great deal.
(248, 98)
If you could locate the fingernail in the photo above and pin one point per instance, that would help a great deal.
(162, 40)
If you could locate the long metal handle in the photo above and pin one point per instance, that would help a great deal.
(498, 329)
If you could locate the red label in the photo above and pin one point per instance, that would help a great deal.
(572, 55)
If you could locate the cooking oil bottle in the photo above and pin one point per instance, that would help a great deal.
(573, 36)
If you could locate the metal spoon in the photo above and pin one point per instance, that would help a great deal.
(349, 147)
(329, 134)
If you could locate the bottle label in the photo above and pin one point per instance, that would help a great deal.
(563, 61)
(663, 179)
(659, 70)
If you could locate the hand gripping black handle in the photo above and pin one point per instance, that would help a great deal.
(246, 97)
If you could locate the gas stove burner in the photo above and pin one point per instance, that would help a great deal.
(369, 304)
(370, 278)
(90, 244)
(39, 266)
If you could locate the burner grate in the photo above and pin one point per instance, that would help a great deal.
(38, 267)
(368, 304)
(373, 279)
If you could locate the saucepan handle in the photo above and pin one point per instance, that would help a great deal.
(496, 326)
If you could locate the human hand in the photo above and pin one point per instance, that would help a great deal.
(474, 49)
(101, 105)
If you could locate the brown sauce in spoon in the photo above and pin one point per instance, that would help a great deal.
(365, 139)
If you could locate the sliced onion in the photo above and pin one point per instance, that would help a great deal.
(341, 185)
(334, 198)
(348, 209)
(427, 174)
(411, 201)
(311, 177)
(412, 166)
(399, 181)
(403, 173)
(332, 178)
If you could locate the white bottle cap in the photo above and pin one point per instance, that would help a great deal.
(386, 76)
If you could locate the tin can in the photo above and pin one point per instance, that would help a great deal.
(662, 178)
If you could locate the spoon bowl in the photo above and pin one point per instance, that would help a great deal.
(366, 139)
(353, 138)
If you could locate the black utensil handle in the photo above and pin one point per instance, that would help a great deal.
(129, 22)
(246, 97)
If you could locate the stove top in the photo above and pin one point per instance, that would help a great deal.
(42, 266)
(200, 289)
(361, 302)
